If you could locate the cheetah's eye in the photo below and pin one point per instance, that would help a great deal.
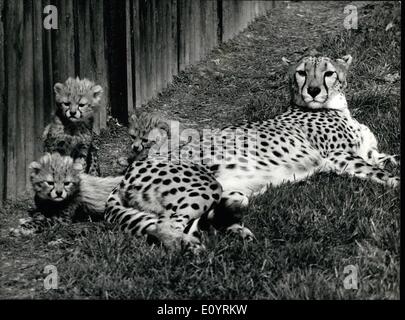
(67, 104)
(67, 183)
(301, 73)
(51, 183)
(81, 105)
(329, 73)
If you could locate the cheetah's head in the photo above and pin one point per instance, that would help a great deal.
(77, 99)
(319, 82)
(55, 177)
(146, 129)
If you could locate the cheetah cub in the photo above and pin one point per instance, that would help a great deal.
(316, 133)
(63, 194)
(160, 207)
(151, 135)
(71, 129)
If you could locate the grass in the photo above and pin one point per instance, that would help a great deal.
(306, 232)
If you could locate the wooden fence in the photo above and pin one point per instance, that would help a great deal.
(133, 48)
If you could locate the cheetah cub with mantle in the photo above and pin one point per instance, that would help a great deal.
(151, 135)
(71, 129)
(64, 194)
(317, 133)
(162, 207)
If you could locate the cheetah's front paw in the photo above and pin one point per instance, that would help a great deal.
(18, 232)
(242, 231)
(395, 160)
(393, 182)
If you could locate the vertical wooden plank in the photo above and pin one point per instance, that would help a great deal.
(185, 33)
(204, 47)
(83, 41)
(167, 35)
(197, 31)
(257, 9)
(38, 77)
(247, 13)
(20, 99)
(83, 32)
(181, 34)
(212, 21)
(174, 39)
(149, 47)
(226, 20)
(116, 44)
(48, 82)
(220, 13)
(163, 37)
(136, 50)
(208, 28)
(13, 56)
(159, 46)
(64, 42)
(128, 37)
(143, 30)
(188, 24)
(100, 55)
(153, 52)
(248, 6)
(238, 14)
(27, 105)
(91, 56)
(192, 40)
(2, 104)
(190, 33)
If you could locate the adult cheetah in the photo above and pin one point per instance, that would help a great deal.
(317, 133)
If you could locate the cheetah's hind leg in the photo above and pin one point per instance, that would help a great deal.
(356, 166)
(178, 232)
(381, 160)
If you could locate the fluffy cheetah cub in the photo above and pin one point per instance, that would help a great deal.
(317, 133)
(151, 135)
(71, 129)
(160, 207)
(63, 194)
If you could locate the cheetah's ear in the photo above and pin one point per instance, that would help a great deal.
(77, 166)
(345, 61)
(58, 88)
(286, 62)
(133, 117)
(35, 167)
(97, 93)
(163, 125)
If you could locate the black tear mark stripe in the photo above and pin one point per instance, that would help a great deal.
(324, 84)
(305, 81)
(315, 66)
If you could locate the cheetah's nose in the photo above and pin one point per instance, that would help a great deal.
(72, 113)
(58, 193)
(313, 91)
